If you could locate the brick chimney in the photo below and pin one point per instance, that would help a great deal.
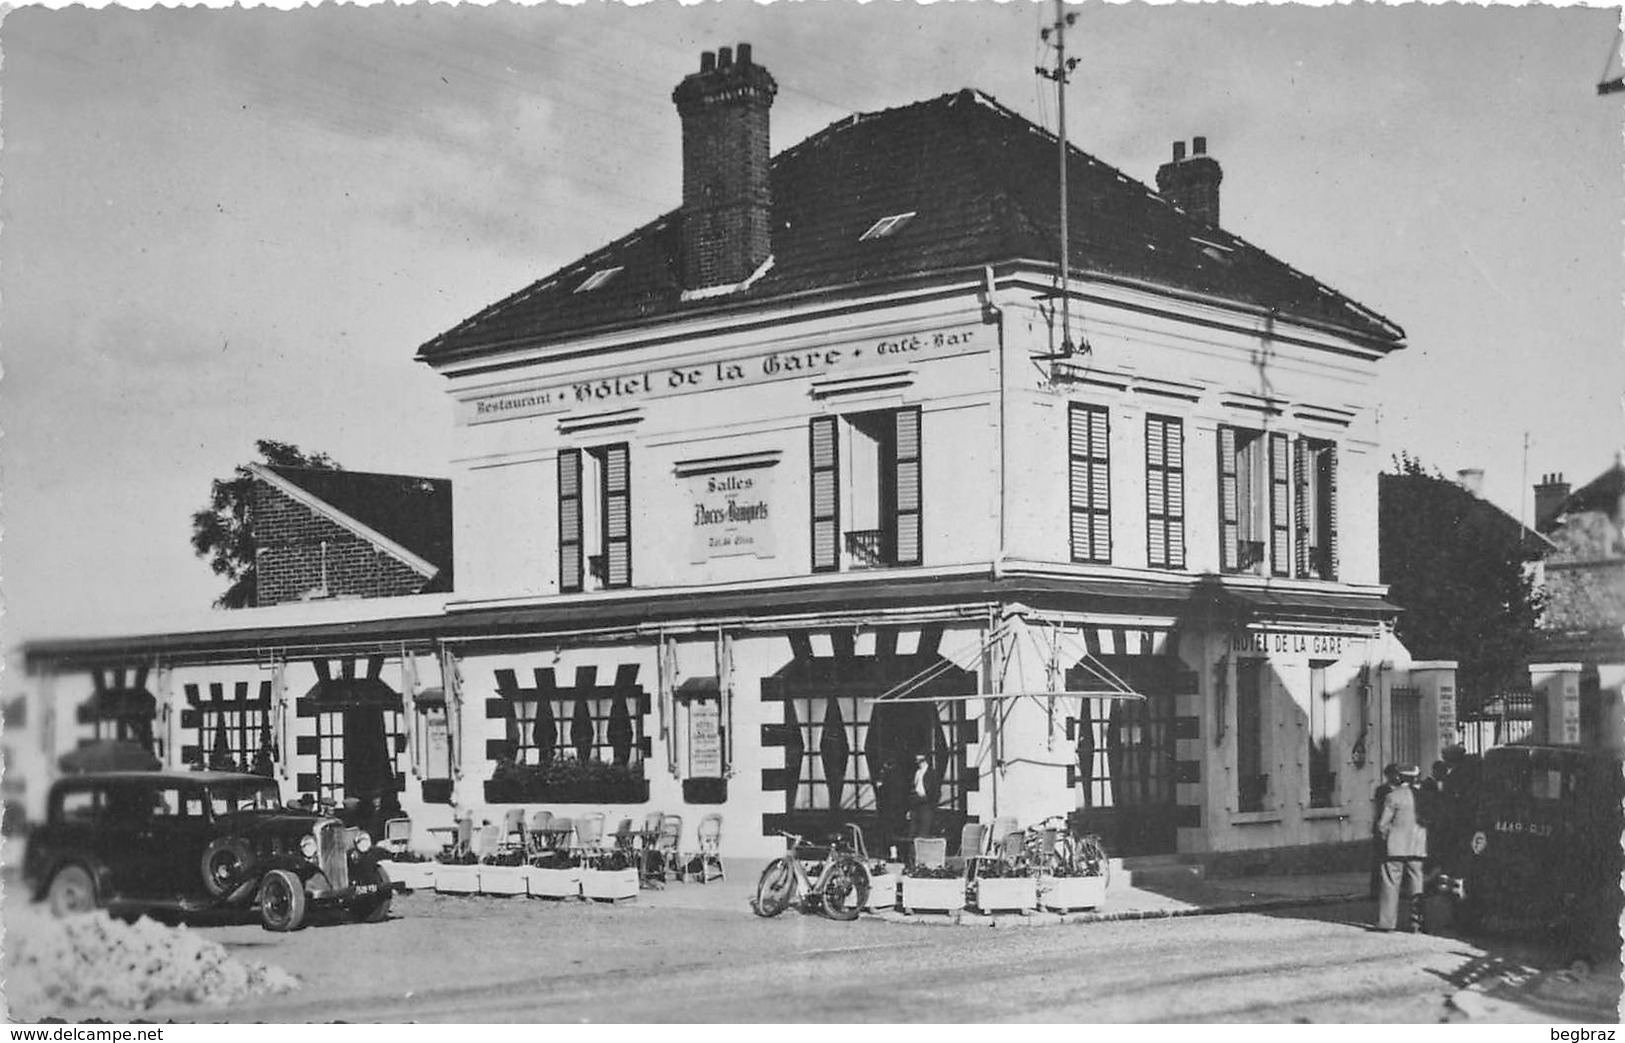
(1192, 184)
(1549, 496)
(727, 200)
(1471, 479)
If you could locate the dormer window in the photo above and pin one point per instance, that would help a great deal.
(886, 226)
(597, 279)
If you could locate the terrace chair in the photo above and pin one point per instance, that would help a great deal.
(554, 841)
(488, 840)
(397, 835)
(663, 857)
(513, 830)
(625, 838)
(931, 852)
(970, 846)
(536, 834)
(462, 838)
(708, 857)
(589, 836)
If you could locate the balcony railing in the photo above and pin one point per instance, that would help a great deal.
(867, 548)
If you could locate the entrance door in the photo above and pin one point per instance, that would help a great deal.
(1127, 764)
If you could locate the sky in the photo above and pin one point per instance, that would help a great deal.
(227, 225)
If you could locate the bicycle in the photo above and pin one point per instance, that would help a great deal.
(1053, 850)
(838, 887)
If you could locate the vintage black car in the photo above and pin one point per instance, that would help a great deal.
(133, 841)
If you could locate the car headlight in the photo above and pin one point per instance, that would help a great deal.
(307, 846)
(363, 842)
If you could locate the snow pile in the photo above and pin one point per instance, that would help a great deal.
(95, 961)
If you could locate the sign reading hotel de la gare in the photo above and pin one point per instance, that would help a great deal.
(634, 386)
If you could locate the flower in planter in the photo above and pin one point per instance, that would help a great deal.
(505, 858)
(407, 856)
(467, 858)
(994, 869)
(918, 872)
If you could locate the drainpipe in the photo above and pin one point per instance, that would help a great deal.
(992, 312)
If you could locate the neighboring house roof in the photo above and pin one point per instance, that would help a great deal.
(410, 511)
(983, 186)
(1604, 494)
(1481, 520)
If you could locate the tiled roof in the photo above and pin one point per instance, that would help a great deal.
(984, 186)
(1603, 494)
(413, 511)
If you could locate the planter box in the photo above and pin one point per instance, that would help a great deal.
(414, 876)
(1061, 893)
(945, 896)
(1012, 893)
(553, 883)
(525, 791)
(503, 881)
(882, 892)
(611, 884)
(456, 880)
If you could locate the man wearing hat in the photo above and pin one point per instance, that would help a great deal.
(1405, 844)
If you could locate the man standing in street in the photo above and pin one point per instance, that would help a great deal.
(923, 805)
(1405, 843)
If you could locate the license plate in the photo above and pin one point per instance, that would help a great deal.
(366, 889)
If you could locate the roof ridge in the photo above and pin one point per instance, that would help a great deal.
(347, 472)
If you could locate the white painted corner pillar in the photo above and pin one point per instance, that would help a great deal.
(1556, 688)
(1435, 682)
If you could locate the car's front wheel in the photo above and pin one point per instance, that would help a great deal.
(282, 901)
(72, 891)
(375, 908)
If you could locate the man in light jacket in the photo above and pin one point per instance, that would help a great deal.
(1405, 845)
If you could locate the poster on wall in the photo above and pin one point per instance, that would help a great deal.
(704, 741)
(732, 513)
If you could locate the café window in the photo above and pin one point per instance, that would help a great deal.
(1252, 735)
(1317, 509)
(1089, 483)
(233, 732)
(866, 495)
(595, 518)
(1254, 491)
(1165, 492)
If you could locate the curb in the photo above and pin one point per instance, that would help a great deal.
(1040, 919)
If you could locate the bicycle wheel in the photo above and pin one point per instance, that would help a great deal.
(775, 889)
(844, 891)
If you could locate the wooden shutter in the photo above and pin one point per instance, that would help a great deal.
(1229, 502)
(825, 474)
(1165, 492)
(906, 467)
(1090, 483)
(1280, 519)
(1303, 460)
(617, 516)
(1328, 510)
(569, 520)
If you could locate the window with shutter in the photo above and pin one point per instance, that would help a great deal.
(1090, 483)
(1165, 492)
(617, 514)
(1317, 509)
(823, 449)
(906, 485)
(1253, 498)
(570, 521)
(1229, 502)
(1280, 506)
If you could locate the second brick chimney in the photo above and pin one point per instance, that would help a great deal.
(1549, 496)
(1192, 184)
(727, 199)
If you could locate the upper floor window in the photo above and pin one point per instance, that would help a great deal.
(1317, 509)
(1165, 492)
(1088, 432)
(595, 518)
(1254, 527)
(866, 497)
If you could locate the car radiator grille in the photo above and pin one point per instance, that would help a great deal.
(333, 854)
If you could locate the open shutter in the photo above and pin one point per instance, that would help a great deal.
(1280, 519)
(1174, 470)
(1229, 502)
(826, 503)
(906, 527)
(1302, 461)
(1090, 483)
(1328, 510)
(617, 516)
(1156, 493)
(569, 520)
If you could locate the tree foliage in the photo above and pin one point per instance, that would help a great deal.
(1456, 565)
(223, 532)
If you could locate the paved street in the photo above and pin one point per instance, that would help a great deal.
(516, 960)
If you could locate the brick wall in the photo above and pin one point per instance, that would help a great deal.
(290, 557)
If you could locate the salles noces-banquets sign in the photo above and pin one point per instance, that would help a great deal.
(636, 386)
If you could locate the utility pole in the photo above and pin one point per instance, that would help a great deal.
(1059, 74)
